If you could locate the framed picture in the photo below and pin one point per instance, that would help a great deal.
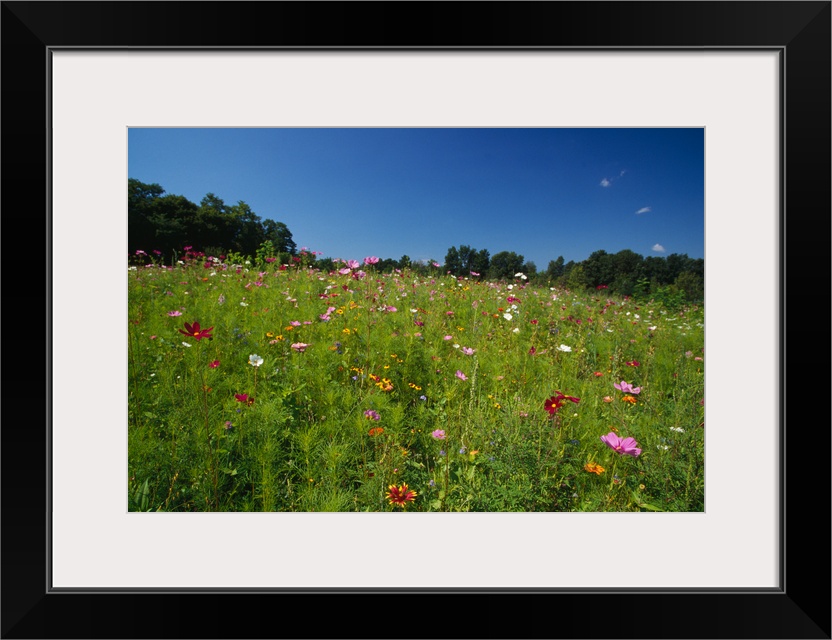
(78, 76)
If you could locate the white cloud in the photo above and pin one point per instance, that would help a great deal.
(658, 247)
(643, 210)
(605, 183)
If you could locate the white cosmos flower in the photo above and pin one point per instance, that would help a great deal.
(244, 304)
(563, 347)
(185, 344)
(507, 316)
(677, 429)
(516, 330)
(652, 328)
(255, 360)
(510, 287)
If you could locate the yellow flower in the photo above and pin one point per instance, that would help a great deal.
(592, 467)
(347, 331)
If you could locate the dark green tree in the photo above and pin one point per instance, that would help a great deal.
(452, 261)
(279, 235)
(504, 265)
(599, 268)
(555, 268)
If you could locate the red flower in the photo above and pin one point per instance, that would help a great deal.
(400, 495)
(633, 363)
(557, 401)
(243, 397)
(194, 331)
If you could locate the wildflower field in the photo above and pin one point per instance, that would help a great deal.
(260, 386)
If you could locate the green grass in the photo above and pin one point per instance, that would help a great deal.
(305, 443)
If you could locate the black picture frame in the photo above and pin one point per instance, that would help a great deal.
(800, 31)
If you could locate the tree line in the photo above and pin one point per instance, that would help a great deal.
(626, 273)
(167, 223)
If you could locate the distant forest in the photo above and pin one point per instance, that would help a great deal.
(161, 225)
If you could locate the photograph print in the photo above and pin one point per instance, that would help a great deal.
(416, 320)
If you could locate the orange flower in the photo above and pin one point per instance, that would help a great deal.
(376, 431)
(592, 467)
(629, 399)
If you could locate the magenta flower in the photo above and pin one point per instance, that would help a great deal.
(439, 434)
(371, 260)
(214, 364)
(626, 446)
(627, 388)
(461, 375)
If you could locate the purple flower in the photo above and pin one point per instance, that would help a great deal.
(370, 414)
(627, 388)
(461, 375)
(439, 434)
(467, 351)
(626, 446)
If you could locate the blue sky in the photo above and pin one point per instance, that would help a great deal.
(542, 193)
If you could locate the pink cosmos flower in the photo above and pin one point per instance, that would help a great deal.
(300, 347)
(461, 375)
(371, 260)
(173, 314)
(626, 446)
(467, 351)
(439, 434)
(343, 271)
(627, 388)
(353, 264)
